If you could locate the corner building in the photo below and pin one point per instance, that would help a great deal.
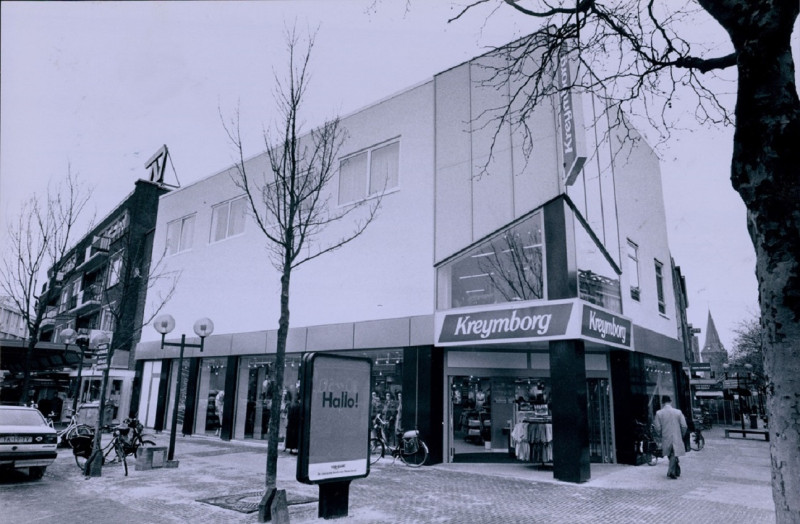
(515, 309)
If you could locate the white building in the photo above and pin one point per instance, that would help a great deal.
(490, 300)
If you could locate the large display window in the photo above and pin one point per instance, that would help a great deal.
(507, 267)
(210, 396)
(256, 391)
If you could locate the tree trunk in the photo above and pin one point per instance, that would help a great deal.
(280, 359)
(766, 173)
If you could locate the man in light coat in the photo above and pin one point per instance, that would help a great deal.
(670, 425)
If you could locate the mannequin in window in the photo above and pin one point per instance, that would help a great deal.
(219, 403)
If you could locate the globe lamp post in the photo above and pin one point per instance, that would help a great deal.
(165, 324)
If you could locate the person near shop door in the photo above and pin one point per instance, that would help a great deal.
(293, 426)
(670, 425)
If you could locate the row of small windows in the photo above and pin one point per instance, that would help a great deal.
(362, 175)
(633, 275)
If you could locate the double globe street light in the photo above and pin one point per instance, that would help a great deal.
(165, 324)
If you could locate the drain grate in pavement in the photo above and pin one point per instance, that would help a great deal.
(248, 502)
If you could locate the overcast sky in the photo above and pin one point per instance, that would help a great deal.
(101, 86)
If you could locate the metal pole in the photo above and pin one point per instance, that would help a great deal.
(741, 407)
(78, 387)
(174, 430)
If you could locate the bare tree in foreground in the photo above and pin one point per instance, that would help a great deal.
(641, 57)
(290, 204)
(40, 237)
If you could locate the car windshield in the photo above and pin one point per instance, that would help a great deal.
(21, 417)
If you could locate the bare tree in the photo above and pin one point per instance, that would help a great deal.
(748, 346)
(39, 238)
(290, 204)
(640, 57)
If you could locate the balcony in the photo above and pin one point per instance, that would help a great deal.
(96, 255)
(87, 300)
(49, 317)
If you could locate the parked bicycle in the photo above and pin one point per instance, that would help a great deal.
(410, 448)
(73, 429)
(126, 439)
(646, 445)
(696, 439)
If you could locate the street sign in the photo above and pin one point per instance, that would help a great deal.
(700, 366)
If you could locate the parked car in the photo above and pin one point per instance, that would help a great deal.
(26, 440)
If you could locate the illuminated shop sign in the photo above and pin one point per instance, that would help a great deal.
(555, 320)
(601, 325)
(530, 322)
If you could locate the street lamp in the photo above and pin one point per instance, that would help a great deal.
(165, 324)
(739, 388)
(69, 336)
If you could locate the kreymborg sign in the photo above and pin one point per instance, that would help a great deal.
(547, 321)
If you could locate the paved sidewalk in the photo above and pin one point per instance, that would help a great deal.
(728, 481)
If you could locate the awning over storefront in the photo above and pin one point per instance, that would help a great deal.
(46, 356)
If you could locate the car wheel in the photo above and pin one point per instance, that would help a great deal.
(36, 473)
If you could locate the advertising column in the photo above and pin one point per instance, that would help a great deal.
(334, 433)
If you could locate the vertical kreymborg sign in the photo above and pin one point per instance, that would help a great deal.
(573, 147)
(334, 436)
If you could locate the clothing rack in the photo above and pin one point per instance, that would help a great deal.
(533, 437)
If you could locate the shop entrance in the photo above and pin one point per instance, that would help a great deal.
(509, 419)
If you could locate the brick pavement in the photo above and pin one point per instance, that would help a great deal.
(728, 481)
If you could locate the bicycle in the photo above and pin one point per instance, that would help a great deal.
(696, 439)
(646, 445)
(73, 429)
(126, 439)
(410, 448)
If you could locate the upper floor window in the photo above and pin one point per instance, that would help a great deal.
(662, 305)
(180, 234)
(114, 270)
(633, 269)
(108, 321)
(227, 219)
(369, 172)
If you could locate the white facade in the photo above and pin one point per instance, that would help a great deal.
(391, 293)
(385, 273)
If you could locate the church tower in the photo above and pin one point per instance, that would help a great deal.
(713, 352)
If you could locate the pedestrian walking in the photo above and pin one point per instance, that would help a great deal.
(670, 425)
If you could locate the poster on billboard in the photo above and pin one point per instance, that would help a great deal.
(334, 433)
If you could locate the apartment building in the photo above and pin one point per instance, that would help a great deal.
(97, 291)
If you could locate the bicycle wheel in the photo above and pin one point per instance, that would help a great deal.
(81, 449)
(376, 450)
(81, 430)
(415, 453)
(121, 456)
(697, 441)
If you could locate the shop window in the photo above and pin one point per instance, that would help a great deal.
(180, 234)
(598, 278)
(257, 385)
(506, 268)
(662, 305)
(227, 219)
(369, 172)
(633, 269)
